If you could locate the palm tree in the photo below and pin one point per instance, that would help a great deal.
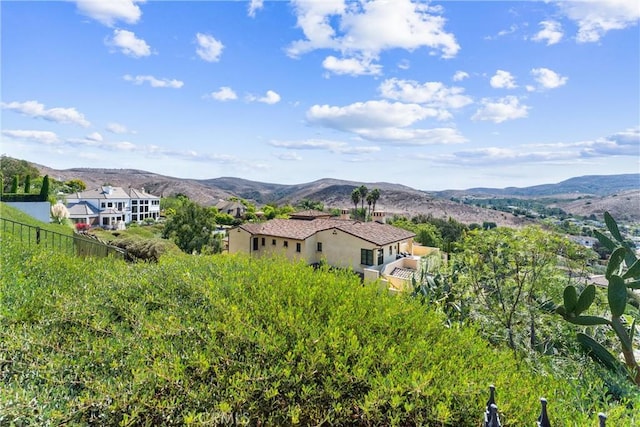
(363, 190)
(370, 201)
(355, 198)
(375, 195)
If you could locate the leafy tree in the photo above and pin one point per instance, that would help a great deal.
(11, 167)
(306, 204)
(428, 235)
(75, 185)
(191, 228)
(27, 184)
(44, 190)
(14, 184)
(510, 274)
(355, 198)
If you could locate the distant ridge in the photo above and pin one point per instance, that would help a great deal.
(593, 194)
(596, 185)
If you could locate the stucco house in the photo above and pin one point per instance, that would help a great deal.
(368, 248)
(112, 207)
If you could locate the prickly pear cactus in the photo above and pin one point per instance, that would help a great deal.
(623, 276)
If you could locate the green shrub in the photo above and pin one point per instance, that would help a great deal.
(204, 339)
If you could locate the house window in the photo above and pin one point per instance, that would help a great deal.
(298, 247)
(285, 244)
(102, 205)
(263, 240)
(366, 256)
(380, 256)
(273, 242)
(134, 202)
(134, 217)
(391, 250)
(319, 246)
(255, 243)
(109, 205)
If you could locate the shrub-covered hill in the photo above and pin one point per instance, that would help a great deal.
(207, 340)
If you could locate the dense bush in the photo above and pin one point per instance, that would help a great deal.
(204, 339)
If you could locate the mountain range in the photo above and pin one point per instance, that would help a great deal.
(586, 195)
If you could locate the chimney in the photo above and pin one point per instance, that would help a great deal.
(344, 214)
(379, 216)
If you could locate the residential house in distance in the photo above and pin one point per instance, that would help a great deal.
(112, 207)
(233, 208)
(373, 249)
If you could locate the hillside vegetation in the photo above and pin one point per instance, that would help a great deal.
(193, 340)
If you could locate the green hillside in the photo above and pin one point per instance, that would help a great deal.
(199, 340)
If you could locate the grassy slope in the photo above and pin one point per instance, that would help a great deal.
(194, 338)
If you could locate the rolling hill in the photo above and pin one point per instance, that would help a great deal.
(620, 194)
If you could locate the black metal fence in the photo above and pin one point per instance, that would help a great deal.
(76, 244)
(492, 419)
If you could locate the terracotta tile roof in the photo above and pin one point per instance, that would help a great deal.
(300, 229)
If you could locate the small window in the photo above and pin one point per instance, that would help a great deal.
(319, 246)
(285, 244)
(263, 241)
(380, 256)
(273, 242)
(255, 243)
(134, 202)
(366, 256)
(298, 247)
(109, 205)
(391, 250)
(103, 205)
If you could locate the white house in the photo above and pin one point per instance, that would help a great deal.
(112, 207)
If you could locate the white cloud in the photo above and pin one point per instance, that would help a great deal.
(40, 136)
(503, 80)
(225, 93)
(460, 75)
(117, 128)
(129, 44)
(255, 5)
(384, 121)
(548, 79)
(433, 94)
(409, 136)
(337, 147)
(209, 49)
(363, 29)
(507, 108)
(154, 82)
(551, 32)
(271, 97)
(111, 11)
(370, 114)
(351, 66)
(36, 109)
(95, 136)
(625, 143)
(289, 156)
(596, 18)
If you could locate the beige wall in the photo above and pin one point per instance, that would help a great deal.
(339, 249)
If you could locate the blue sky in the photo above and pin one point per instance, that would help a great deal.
(434, 95)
